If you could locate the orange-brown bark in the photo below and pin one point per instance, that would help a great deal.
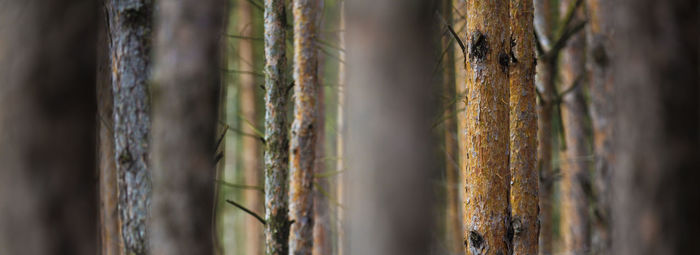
(488, 177)
(524, 183)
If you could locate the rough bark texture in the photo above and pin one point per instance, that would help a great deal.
(488, 177)
(130, 49)
(304, 128)
(48, 193)
(187, 74)
(657, 128)
(250, 166)
(276, 131)
(340, 141)
(524, 184)
(110, 238)
(574, 163)
(391, 144)
(599, 55)
(544, 81)
(322, 223)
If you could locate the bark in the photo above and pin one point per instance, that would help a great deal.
(253, 237)
(544, 81)
(452, 216)
(391, 145)
(657, 128)
(599, 50)
(574, 165)
(276, 131)
(524, 185)
(130, 31)
(48, 193)
(110, 237)
(304, 127)
(322, 224)
(488, 176)
(186, 83)
(340, 141)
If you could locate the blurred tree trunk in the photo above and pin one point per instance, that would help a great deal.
(186, 83)
(340, 141)
(488, 176)
(48, 190)
(657, 128)
(599, 47)
(544, 81)
(304, 127)
(110, 237)
(459, 17)
(524, 183)
(130, 33)
(250, 155)
(276, 130)
(574, 163)
(452, 218)
(322, 226)
(391, 144)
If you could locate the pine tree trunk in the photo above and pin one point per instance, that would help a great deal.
(488, 176)
(185, 102)
(276, 131)
(322, 226)
(110, 237)
(391, 112)
(304, 127)
(48, 191)
(574, 165)
(340, 141)
(130, 30)
(544, 81)
(524, 187)
(657, 127)
(599, 49)
(250, 154)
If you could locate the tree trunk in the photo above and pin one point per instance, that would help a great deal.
(304, 127)
(340, 141)
(544, 81)
(276, 131)
(130, 30)
(187, 74)
(524, 187)
(391, 144)
(47, 125)
(574, 165)
(110, 237)
(322, 226)
(488, 176)
(599, 47)
(657, 135)
(250, 154)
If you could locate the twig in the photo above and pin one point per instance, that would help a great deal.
(245, 72)
(561, 42)
(248, 211)
(241, 132)
(239, 186)
(573, 86)
(569, 16)
(452, 31)
(245, 37)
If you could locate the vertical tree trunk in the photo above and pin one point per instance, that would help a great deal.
(322, 226)
(459, 9)
(187, 74)
(130, 30)
(110, 237)
(657, 128)
(250, 154)
(488, 176)
(544, 81)
(304, 127)
(391, 144)
(340, 141)
(599, 47)
(524, 185)
(276, 131)
(574, 165)
(47, 127)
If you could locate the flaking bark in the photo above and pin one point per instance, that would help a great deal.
(130, 31)
(185, 103)
(488, 177)
(303, 140)
(276, 131)
(524, 185)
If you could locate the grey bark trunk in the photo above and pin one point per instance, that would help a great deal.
(185, 103)
(130, 31)
(391, 149)
(48, 193)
